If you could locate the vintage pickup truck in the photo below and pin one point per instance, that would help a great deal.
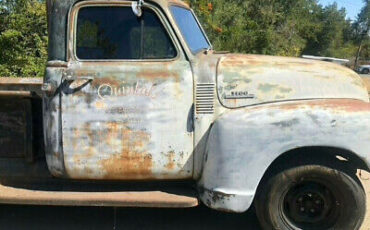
(137, 110)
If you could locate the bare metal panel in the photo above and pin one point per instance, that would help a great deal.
(130, 122)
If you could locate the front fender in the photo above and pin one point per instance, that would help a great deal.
(243, 143)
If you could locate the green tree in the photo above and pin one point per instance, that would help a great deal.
(23, 38)
(277, 27)
(334, 38)
(362, 32)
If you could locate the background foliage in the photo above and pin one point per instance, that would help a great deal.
(284, 27)
(274, 27)
(23, 38)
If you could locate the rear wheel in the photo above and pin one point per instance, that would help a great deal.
(311, 197)
(365, 71)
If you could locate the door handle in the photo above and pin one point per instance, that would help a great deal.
(70, 88)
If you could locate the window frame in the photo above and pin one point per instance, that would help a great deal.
(72, 32)
(180, 30)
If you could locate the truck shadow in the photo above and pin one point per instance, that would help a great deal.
(91, 218)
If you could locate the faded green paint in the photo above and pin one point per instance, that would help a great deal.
(269, 87)
(270, 79)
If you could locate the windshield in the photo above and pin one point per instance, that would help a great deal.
(190, 29)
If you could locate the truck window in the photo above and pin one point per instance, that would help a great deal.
(190, 29)
(115, 33)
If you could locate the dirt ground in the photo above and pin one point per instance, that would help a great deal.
(13, 217)
(366, 79)
(365, 178)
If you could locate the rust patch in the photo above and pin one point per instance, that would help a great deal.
(215, 197)
(105, 80)
(133, 161)
(10, 195)
(128, 165)
(345, 105)
(335, 105)
(128, 156)
(157, 74)
(296, 64)
(75, 141)
(171, 160)
(100, 105)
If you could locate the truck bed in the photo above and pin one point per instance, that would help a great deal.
(25, 87)
(20, 118)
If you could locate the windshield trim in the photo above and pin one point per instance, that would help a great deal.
(199, 25)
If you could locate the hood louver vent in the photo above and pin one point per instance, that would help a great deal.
(205, 98)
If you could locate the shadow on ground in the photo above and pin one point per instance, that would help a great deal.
(91, 218)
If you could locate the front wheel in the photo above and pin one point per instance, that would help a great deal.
(311, 197)
(365, 71)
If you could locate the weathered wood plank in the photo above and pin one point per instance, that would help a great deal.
(18, 86)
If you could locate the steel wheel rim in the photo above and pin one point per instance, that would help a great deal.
(310, 204)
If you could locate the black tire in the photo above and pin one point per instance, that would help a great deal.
(311, 197)
(365, 71)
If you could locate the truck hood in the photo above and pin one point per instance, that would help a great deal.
(244, 80)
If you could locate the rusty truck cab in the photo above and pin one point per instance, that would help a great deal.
(134, 92)
(123, 108)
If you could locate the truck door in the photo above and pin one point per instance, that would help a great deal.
(127, 96)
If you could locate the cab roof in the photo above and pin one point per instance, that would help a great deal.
(166, 2)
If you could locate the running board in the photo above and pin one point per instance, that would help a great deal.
(155, 199)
